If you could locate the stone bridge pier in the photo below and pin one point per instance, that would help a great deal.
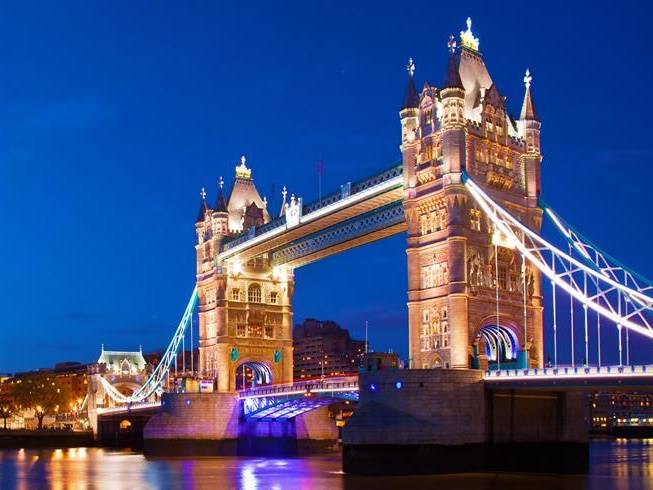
(444, 420)
(213, 424)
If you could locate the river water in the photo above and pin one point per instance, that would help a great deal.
(619, 464)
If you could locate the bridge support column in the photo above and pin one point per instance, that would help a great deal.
(446, 420)
(194, 423)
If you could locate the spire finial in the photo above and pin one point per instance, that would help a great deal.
(451, 44)
(242, 172)
(265, 202)
(220, 182)
(284, 191)
(203, 194)
(467, 38)
(410, 67)
(528, 78)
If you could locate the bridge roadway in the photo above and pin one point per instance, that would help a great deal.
(286, 401)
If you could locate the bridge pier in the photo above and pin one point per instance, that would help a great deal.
(443, 421)
(212, 424)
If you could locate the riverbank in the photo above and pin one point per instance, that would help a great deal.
(16, 439)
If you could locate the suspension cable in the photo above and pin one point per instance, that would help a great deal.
(571, 325)
(523, 268)
(496, 283)
(555, 315)
(587, 351)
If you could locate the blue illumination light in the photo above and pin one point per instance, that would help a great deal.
(372, 387)
(398, 385)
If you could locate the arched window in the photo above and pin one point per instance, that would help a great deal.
(125, 367)
(254, 293)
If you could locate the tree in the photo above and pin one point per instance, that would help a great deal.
(7, 403)
(40, 393)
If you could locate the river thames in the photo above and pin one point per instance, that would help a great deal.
(616, 463)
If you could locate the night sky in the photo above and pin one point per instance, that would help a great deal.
(114, 115)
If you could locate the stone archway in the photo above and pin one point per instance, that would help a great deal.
(249, 374)
(497, 345)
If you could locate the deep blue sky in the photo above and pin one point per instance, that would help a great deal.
(113, 115)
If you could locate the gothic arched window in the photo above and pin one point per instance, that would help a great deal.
(254, 293)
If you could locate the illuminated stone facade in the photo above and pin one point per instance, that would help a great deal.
(245, 312)
(453, 270)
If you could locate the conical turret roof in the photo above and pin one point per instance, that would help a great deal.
(528, 112)
(201, 214)
(411, 98)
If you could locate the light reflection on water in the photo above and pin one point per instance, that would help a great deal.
(619, 464)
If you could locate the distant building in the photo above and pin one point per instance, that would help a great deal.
(616, 411)
(376, 361)
(122, 362)
(324, 347)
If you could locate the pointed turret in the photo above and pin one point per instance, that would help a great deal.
(411, 98)
(453, 92)
(220, 203)
(528, 112)
(409, 116)
(529, 129)
(453, 74)
(201, 215)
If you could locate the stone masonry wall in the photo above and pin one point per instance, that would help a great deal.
(431, 406)
(195, 416)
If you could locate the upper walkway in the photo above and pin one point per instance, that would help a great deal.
(324, 225)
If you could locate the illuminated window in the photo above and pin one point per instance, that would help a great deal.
(125, 425)
(475, 219)
(428, 154)
(269, 331)
(235, 294)
(502, 277)
(210, 296)
(241, 330)
(255, 331)
(254, 293)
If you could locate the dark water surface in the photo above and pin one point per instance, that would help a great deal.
(619, 464)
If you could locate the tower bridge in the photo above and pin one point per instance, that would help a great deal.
(468, 196)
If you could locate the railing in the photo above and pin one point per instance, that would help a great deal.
(129, 407)
(349, 383)
(328, 200)
(563, 372)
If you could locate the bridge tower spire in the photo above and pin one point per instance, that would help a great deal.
(529, 128)
(471, 304)
(409, 116)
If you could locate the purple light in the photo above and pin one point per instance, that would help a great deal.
(188, 402)
(372, 387)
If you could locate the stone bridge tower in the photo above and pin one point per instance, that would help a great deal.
(457, 264)
(245, 309)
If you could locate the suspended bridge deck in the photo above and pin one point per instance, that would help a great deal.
(289, 400)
